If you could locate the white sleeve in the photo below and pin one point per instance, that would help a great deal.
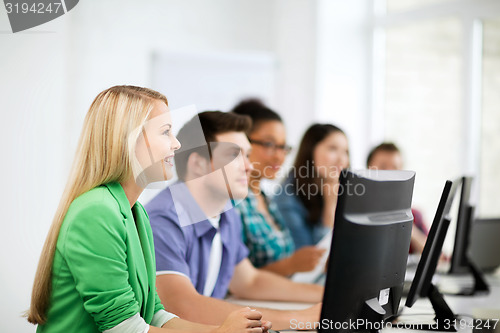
(161, 317)
(134, 324)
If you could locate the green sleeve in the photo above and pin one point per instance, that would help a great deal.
(158, 305)
(96, 254)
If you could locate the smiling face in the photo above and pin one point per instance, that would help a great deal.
(231, 154)
(156, 145)
(268, 153)
(331, 155)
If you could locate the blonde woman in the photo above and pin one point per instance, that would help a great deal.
(97, 268)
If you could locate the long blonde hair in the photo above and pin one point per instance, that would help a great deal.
(104, 154)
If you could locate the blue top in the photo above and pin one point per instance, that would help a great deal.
(296, 217)
(265, 243)
(185, 248)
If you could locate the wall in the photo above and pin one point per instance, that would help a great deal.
(51, 73)
(32, 91)
(343, 71)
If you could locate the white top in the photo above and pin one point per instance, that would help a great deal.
(136, 323)
(215, 259)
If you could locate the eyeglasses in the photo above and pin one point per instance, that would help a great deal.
(271, 146)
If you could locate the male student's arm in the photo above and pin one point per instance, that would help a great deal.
(179, 296)
(249, 282)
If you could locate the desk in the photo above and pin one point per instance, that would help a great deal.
(461, 305)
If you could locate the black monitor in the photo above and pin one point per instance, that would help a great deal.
(369, 250)
(460, 260)
(422, 283)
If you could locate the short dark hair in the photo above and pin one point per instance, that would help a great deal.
(257, 110)
(389, 147)
(212, 123)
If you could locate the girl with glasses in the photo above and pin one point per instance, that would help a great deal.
(265, 231)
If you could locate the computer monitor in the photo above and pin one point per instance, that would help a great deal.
(460, 260)
(369, 250)
(484, 247)
(422, 283)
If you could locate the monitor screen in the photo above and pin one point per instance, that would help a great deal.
(432, 250)
(369, 250)
(422, 283)
(464, 219)
(460, 260)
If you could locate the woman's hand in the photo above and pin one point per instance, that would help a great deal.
(331, 188)
(306, 258)
(244, 320)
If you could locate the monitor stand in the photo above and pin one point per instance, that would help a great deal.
(445, 319)
(480, 286)
(373, 313)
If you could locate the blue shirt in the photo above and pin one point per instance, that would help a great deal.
(296, 216)
(182, 244)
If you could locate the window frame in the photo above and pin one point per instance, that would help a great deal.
(471, 14)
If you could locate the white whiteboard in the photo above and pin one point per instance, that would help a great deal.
(213, 81)
(195, 82)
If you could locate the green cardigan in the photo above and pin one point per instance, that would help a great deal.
(104, 266)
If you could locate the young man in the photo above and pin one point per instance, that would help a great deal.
(197, 234)
(387, 156)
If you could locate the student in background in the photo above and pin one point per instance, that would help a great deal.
(97, 268)
(264, 231)
(308, 196)
(387, 156)
(200, 255)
